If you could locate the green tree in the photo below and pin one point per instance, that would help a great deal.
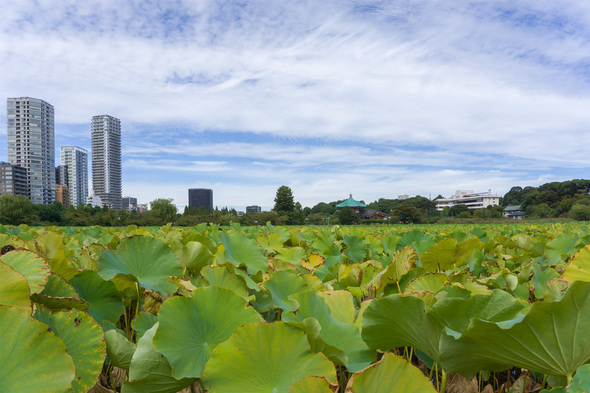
(17, 210)
(347, 216)
(580, 212)
(284, 202)
(405, 213)
(163, 209)
(458, 209)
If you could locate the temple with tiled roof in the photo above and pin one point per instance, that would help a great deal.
(359, 208)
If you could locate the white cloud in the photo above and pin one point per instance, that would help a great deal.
(367, 88)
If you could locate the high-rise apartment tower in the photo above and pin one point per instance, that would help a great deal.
(75, 160)
(106, 159)
(31, 145)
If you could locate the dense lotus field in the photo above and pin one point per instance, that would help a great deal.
(489, 308)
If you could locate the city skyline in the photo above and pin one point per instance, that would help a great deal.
(329, 98)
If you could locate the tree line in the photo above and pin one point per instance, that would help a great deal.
(568, 199)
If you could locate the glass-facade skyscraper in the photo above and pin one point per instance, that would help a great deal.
(106, 159)
(31, 145)
(200, 197)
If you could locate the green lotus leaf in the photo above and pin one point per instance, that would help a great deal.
(150, 371)
(433, 282)
(84, 342)
(292, 255)
(540, 279)
(345, 337)
(551, 338)
(311, 385)
(457, 312)
(398, 321)
(391, 375)
(58, 295)
(59, 257)
(143, 322)
(104, 301)
(270, 243)
(119, 349)
(191, 328)
(220, 276)
(242, 251)
(560, 248)
(33, 359)
(356, 248)
(449, 254)
(264, 357)
(403, 261)
(390, 244)
(31, 265)
(14, 289)
(142, 259)
(411, 237)
(581, 382)
(282, 285)
(579, 268)
(194, 256)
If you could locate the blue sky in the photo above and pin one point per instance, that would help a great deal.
(373, 98)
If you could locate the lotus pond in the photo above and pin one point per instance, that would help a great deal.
(482, 308)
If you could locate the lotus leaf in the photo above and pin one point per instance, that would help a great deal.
(356, 248)
(391, 375)
(292, 255)
(143, 322)
(119, 349)
(313, 262)
(551, 338)
(33, 359)
(560, 248)
(398, 321)
(343, 336)
(311, 385)
(150, 371)
(221, 277)
(579, 268)
(270, 243)
(194, 256)
(142, 259)
(191, 328)
(264, 357)
(242, 251)
(58, 256)
(282, 285)
(403, 261)
(432, 282)
(58, 294)
(14, 289)
(104, 301)
(30, 265)
(449, 254)
(84, 342)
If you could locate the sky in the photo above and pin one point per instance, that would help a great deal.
(334, 97)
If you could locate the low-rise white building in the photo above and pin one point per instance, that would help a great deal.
(470, 199)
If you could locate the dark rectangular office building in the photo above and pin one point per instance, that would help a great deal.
(198, 197)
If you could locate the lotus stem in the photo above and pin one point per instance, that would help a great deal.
(443, 383)
(544, 382)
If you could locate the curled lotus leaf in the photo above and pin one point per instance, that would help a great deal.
(104, 301)
(33, 359)
(191, 327)
(264, 357)
(391, 375)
